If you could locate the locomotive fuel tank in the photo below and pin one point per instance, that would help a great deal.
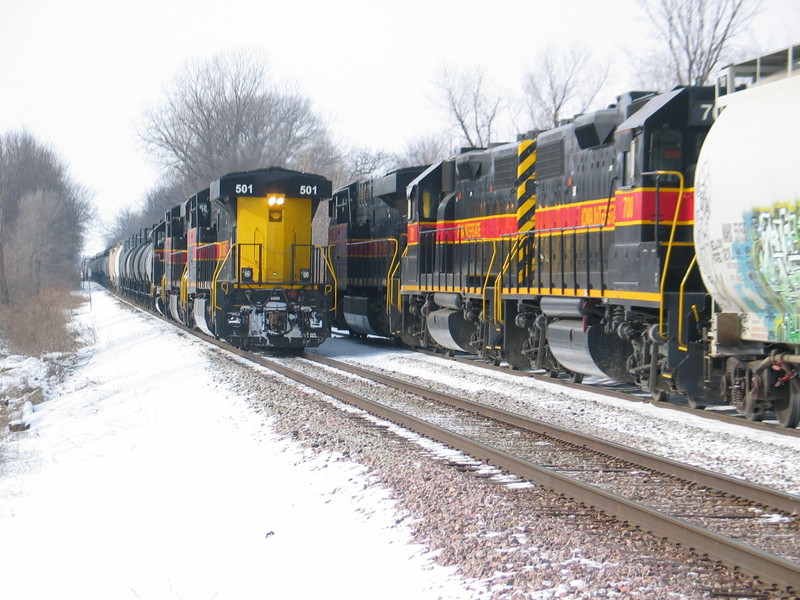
(747, 212)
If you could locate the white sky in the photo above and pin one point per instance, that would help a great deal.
(78, 74)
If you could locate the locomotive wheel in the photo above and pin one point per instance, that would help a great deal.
(754, 416)
(576, 377)
(752, 409)
(660, 396)
(695, 403)
(787, 409)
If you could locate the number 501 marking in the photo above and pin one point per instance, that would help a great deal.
(308, 190)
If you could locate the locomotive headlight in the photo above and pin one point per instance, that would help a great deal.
(305, 275)
(276, 200)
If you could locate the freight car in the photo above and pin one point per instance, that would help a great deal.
(573, 250)
(236, 261)
(747, 234)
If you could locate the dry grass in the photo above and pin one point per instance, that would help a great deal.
(40, 325)
(36, 327)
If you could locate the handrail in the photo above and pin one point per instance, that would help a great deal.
(681, 345)
(215, 278)
(394, 272)
(498, 283)
(522, 236)
(184, 291)
(669, 245)
(326, 257)
(486, 280)
(389, 285)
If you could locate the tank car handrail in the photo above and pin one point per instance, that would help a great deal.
(681, 296)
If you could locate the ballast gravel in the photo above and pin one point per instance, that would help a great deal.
(763, 457)
(508, 539)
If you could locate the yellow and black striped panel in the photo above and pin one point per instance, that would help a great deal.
(526, 206)
(526, 178)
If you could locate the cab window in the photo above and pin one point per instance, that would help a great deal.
(665, 154)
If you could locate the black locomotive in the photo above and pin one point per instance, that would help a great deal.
(569, 250)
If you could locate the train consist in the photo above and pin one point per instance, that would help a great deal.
(645, 243)
(654, 242)
(234, 260)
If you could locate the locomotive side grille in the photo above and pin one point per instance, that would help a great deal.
(505, 172)
(550, 159)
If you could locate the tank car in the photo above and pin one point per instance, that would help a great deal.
(135, 265)
(98, 268)
(748, 237)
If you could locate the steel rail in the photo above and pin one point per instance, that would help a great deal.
(729, 485)
(698, 539)
(739, 420)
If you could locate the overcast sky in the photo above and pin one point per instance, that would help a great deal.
(78, 73)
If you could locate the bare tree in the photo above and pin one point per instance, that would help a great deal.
(34, 256)
(693, 38)
(563, 83)
(426, 150)
(35, 189)
(472, 103)
(226, 115)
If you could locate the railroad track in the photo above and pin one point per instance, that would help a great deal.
(712, 515)
(615, 390)
(738, 523)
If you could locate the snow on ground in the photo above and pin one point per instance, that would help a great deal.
(141, 478)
